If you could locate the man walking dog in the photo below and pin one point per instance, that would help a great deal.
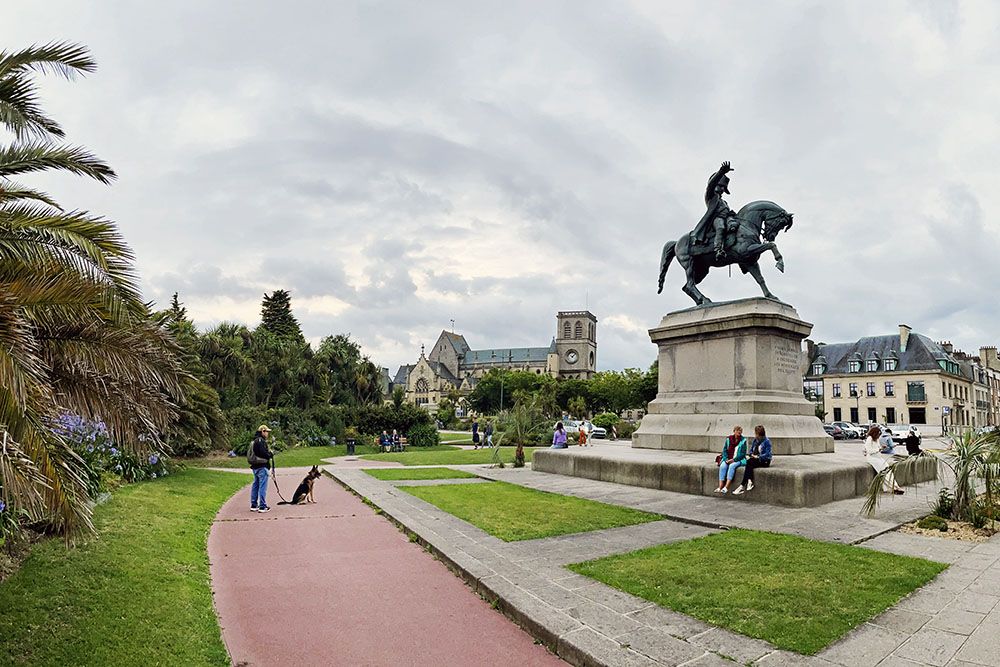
(260, 458)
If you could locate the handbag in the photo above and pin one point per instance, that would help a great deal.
(718, 459)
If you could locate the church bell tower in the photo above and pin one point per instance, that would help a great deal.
(576, 343)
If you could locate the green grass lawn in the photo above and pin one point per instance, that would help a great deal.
(417, 473)
(456, 438)
(290, 458)
(136, 595)
(513, 512)
(428, 456)
(798, 594)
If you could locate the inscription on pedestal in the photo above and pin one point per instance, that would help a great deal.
(787, 360)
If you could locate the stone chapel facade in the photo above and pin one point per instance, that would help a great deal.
(452, 365)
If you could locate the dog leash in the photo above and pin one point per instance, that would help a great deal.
(275, 478)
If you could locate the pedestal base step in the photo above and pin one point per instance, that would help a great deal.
(793, 481)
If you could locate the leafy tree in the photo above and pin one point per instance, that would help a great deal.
(276, 316)
(578, 407)
(76, 335)
(497, 383)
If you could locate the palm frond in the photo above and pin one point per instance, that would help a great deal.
(12, 192)
(38, 155)
(20, 111)
(63, 58)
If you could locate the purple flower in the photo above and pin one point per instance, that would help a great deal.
(154, 459)
(114, 452)
(3, 506)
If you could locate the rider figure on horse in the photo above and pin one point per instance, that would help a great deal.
(719, 217)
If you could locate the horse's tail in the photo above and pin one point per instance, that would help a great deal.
(665, 259)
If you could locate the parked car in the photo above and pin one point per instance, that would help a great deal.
(850, 430)
(900, 431)
(835, 431)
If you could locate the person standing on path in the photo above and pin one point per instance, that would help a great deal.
(475, 433)
(260, 459)
(488, 432)
(581, 438)
(559, 437)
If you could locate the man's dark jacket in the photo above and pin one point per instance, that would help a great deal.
(261, 451)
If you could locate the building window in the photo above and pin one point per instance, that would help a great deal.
(915, 392)
(578, 330)
(871, 365)
(853, 389)
(813, 390)
(890, 364)
(854, 416)
(918, 415)
(836, 414)
(871, 415)
(889, 389)
(836, 391)
(890, 415)
(567, 330)
(870, 388)
(855, 367)
(818, 369)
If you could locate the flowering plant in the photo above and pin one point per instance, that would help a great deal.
(102, 458)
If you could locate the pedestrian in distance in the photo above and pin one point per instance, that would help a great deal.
(732, 458)
(559, 437)
(260, 458)
(913, 442)
(760, 457)
(475, 433)
(397, 443)
(582, 436)
(488, 432)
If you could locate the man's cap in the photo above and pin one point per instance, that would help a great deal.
(264, 427)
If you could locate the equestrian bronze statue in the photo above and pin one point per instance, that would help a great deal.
(722, 238)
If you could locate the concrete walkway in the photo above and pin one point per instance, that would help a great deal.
(954, 620)
(335, 584)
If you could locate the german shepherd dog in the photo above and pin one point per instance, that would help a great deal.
(304, 493)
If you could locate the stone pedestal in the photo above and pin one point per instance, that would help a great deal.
(739, 362)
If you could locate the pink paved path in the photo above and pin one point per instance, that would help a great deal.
(335, 584)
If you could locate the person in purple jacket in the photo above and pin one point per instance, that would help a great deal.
(559, 437)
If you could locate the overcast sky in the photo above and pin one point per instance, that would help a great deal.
(399, 165)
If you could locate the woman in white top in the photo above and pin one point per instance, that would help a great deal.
(879, 460)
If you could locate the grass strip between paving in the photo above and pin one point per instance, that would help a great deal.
(798, 594)
(138, 594)
(392, 474)
(513, 512)
(429, 456)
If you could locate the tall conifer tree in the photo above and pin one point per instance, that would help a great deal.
(276, 316)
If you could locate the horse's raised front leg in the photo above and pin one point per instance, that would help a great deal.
(754, 270)
(760, 248)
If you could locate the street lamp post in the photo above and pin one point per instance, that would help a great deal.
(493, 358)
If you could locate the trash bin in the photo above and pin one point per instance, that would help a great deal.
(350, 446)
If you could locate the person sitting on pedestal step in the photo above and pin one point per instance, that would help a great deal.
(559, 437)
(879, 460)
(760, 457)
(734, 456)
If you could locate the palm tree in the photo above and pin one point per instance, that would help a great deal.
(972, 461)
(75, 334)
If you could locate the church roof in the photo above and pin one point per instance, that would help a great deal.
(457, 341)
(507, 355)
(402, 375)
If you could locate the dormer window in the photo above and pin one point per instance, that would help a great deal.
(854, 367)
(819, 369)
(890, 364)
(871, 365)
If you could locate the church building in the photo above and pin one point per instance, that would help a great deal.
(452, 365)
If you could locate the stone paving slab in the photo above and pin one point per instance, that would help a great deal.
(954, 620)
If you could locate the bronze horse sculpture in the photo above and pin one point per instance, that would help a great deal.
(742, 246)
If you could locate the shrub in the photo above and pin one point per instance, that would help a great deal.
(371, 419)
(625, 429)
(423, 435)
(606, 420)
(944, 504)
(933, 522)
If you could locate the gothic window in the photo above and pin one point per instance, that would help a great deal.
(422, 386)
(578, 330)
(567, 332)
